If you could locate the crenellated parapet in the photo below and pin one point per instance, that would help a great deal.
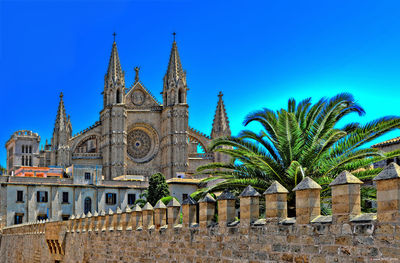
(217, 221)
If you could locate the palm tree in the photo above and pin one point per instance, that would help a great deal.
(302, 140)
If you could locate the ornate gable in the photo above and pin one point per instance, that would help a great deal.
(138, 97)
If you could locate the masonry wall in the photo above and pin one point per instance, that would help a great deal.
(361, 242)
(156, 234)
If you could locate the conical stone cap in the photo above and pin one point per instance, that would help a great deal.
(95, 213)
(249, 191)
(89, 214)
(119, 211)
(306, 184)
(392, 171)
(110, 212)
(226, 195)
(137, 208)
(207, 199)
(276, 188)
(128, 209)
(160, 205)
(147, 206)
(72, 217)
(189, 201)
(345, 177)
(102, 213)
(174, 203)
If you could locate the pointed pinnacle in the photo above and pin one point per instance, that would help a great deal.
(173, 203)
(160, 205)
(220, 125)
(276, 188)
(226, 195)
(207, 199)
(189, 201)
(137, 208)
(147, 206)
(249, 191)
(391, 171)
(306, 184)
(345, 177)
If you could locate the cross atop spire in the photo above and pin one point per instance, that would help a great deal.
(174, 34)
(220, 126)
(114, 34)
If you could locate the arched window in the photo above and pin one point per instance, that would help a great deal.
(30, 160)
(23, 148)
(180, 96)
(88, 205)
(118, 96)
(30, 149)
(23, 160)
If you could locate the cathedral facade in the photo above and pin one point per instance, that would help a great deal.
(136, 135)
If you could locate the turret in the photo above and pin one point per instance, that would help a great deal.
(175, 114)
(113, 118)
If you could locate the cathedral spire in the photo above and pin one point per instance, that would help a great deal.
(175, 70)
(175, 88)
(114, 75)
(61, 119)
(220, 127)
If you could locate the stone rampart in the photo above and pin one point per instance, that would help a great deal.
(156, 234)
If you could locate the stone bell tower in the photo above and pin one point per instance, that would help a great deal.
(174, 119)
(113, 118)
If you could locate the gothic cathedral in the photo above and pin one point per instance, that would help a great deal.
(136, 135)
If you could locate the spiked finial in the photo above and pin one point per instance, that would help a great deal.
(114, 72)
(220, 127)
(174, 70)
(61, 119)
(174, 34)
(137, 74)
(114, 34)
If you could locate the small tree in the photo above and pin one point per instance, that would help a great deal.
(158, 188)
(2, 170)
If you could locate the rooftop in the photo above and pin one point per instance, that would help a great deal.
(183, 181)
(388, 142)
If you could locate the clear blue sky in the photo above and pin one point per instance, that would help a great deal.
(258, 53)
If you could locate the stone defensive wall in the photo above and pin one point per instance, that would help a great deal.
(159, 234)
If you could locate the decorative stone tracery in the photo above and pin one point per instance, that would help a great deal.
(143, 143)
